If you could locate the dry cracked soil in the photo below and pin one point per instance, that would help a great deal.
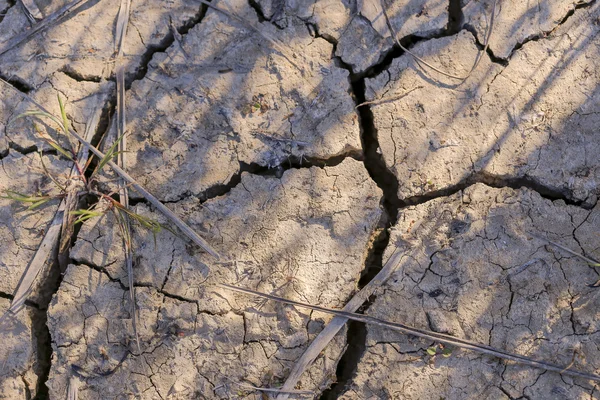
(250, 126)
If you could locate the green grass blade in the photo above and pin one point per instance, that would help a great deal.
(63, 114)
(58, 147)
(34, 113)
(110, 154)
(38, 204)
(85, 215)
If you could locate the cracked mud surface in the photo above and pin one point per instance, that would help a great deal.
(472, 269)
(256, 141)
(299, 235)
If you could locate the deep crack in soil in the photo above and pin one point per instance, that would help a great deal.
(373, 161)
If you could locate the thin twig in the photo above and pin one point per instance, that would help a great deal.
(423, 62)
(185, 228)
(73, 388)
(430, 335)
(388, 99)
(47, 22)
(269, 390)
(488, 35)
(31, 10)
(327, 334)
(125, 223)
(274, 43)
(590, 261)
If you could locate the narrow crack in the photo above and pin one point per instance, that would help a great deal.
(499, 183)
(6, 296)
(68, 70)
(506, 393)
(490, 53)
(18, 83)
(42, 337)
(9, 5)
(545, 34)
(455, 16)
(178, 298)
(164, 44)
(386, 58)
(346, 369)
(43, 344)
(100, 269)
(259, 11)
(27, 150)
(277, 171)
(356, 338)
(122, 286)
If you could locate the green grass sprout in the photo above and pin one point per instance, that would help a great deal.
(33, 201)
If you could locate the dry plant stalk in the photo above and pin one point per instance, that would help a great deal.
(44, 24)
(426, 334)
(53, 235)
(183, 227)
(123, 218)
(334, 326)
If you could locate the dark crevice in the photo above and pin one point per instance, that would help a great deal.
(374, 261)
(291, 162)
(77, 76)
(259, 12)
(164, 44)
(4, 11)
(18, 83)
(543, 35)
(6, 296)
(42, 342)
(101, 133)
(102, 270)
(455, 17)
(41, 333)
(544, 191)
(493, 58)
(49, 287)
(387, 182)
(499, 183)
(373, 159)
(356, 339)
(104, 121)
(27, 150)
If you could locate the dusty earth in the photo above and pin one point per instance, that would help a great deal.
(248, 129)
